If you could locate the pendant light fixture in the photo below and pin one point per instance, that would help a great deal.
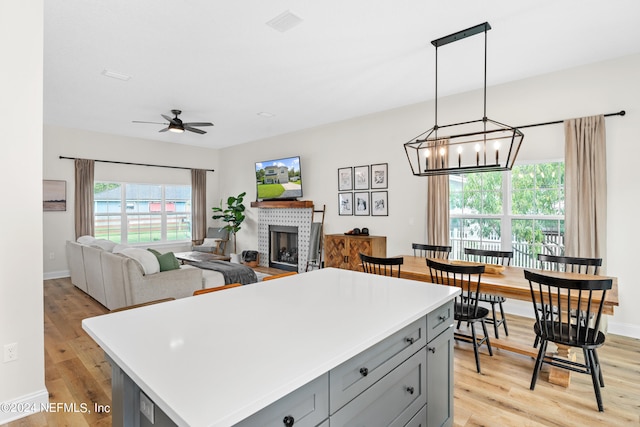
(481, 145)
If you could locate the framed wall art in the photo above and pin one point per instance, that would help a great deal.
(361, 203)
(361, 177)
(379, 203)
(345, 203)
(345, 179)
(379, 177)
(54, 195)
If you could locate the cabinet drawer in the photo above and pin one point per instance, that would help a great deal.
(419, 420)
(358, 373)
(308, 406)
(439, 320)
(392, 401)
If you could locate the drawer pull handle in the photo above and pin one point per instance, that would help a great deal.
(288, 421)
(410, 390)
(410, 340)
(442, 318)
(431, 349)
(364, 372)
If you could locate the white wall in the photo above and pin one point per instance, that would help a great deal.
(59, 226)
(599, 88)
(21, 308)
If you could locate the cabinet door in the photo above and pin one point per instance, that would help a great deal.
(334, 251)
(355, 246)
(440, 380)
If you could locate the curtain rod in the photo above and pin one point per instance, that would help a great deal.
(619, 113)
(138, 164)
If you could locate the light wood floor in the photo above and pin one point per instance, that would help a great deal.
(76, 372)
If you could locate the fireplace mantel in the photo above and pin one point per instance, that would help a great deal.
(283, 204)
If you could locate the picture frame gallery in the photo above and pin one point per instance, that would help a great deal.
(357, 190)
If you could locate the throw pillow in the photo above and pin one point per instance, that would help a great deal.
(167, 261)
(117, 249)
(149, 262)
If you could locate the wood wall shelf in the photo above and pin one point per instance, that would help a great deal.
(283, 204)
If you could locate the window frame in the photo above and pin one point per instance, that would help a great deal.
(507, 216)
(163, 215)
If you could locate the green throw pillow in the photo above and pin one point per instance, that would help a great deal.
(167, 261)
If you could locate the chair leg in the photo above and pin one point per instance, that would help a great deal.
(486, 334)
(495, 319)
(538, 365)
(475, 346)
(595, 357)
(594, 378)
(504, 321)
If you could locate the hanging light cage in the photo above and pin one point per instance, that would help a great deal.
(474, 146)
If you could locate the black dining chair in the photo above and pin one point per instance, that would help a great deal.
(430, 251)
(568, 264)
(554, 301)
(381, 266)
(492, 257)
(466, 308)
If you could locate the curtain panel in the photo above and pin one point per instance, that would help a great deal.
(585, 187)
(438, 205)
(198, 205)
(83, 205)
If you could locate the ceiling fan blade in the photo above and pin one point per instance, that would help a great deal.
(198, 124)
(189, 128)
(169, 119)
(164, 130)
(153, 123)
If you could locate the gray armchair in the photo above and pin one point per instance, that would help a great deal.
(215, 242)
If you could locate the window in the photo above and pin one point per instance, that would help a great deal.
(521, 210)
(142, 213)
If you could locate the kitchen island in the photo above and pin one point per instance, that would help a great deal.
(353, 341)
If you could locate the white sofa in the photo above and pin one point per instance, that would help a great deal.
(115, 280)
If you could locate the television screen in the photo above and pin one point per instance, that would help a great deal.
(279, 179)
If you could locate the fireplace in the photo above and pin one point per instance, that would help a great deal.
(283, 247)
(299, 216)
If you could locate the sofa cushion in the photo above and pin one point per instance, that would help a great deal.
(117, 249)
(86, 240)
(147, 260)
(167, 261)
(104, 244)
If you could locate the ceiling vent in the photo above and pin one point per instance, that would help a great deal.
(285, 21)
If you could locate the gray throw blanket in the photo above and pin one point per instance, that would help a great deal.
(233, 273)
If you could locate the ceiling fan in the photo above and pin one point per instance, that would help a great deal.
(176, 125)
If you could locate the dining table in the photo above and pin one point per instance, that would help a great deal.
(509, 282)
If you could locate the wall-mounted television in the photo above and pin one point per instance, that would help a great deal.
(279, 179)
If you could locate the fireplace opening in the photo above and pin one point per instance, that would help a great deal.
(283, 247)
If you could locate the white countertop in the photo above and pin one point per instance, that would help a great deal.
(215, 359)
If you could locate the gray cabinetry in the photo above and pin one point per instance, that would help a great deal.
(393, 401)
(308, 406)
(440, 368)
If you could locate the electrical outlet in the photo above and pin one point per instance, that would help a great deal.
(52, 255)
(146, 407)
(10, 352)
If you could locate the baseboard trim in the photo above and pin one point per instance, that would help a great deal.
(56, 274)
(24, 406)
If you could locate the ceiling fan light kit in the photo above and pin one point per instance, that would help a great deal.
(176, 125)
(481, 145)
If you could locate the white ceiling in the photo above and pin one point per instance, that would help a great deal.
(218, 61)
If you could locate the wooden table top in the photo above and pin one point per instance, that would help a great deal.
(196, 256)
(511, 283)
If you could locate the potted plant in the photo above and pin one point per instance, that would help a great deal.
(233, 215)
